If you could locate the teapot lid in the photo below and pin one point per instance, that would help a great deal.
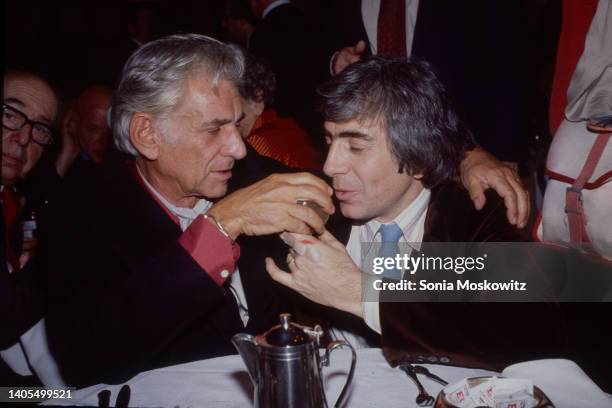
(287, 333)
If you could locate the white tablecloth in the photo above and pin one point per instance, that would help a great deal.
(224, 382)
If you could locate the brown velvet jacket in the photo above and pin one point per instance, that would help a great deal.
(483, 335)
(479, 335)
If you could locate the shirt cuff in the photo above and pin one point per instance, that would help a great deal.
(213, 251)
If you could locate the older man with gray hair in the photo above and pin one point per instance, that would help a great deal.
(145, 270)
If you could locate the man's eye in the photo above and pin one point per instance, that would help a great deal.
(356, 148)
(214, 131)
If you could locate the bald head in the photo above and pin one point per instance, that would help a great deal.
(97, 97)
(91, 126)
(25, 95)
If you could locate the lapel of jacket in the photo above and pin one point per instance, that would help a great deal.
(263, 295)
(124, 204)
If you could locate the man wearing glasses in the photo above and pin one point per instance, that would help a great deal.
(28, 114)
(29, 110)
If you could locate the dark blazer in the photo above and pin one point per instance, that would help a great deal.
(126, 297)
(282, 41)
(22, 298)
(478, 48)
(431, 332)
(21, 301)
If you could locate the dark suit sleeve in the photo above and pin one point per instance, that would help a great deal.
(21, 303)
(479, 51)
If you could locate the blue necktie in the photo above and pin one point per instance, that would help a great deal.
(389, 236)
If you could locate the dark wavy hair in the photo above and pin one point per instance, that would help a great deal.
(257, 82)
(424, 132)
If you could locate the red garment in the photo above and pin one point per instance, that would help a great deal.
(577, 16)
(391, 32)
(281, 139)
(10, 208)
(213, 251)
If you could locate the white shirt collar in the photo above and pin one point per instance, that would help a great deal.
(11, 187)
(406, 220)
(272, 6)
(184, 215)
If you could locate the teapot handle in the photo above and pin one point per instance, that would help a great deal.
(325, 362)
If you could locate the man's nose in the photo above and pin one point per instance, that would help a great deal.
(334, 164)
(22, 136)
(234, 145)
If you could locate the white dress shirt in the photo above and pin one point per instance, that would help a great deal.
(412, 223)
(369, 13)
(186, 217)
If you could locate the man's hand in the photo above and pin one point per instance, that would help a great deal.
(269, 206)
(322, 271)
(347, 56)
(481, 170)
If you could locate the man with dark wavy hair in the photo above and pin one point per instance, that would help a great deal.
(395, 143)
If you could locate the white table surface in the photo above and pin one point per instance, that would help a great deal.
(224, 382)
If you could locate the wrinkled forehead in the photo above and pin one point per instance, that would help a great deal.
(203, 93)
(32, 96)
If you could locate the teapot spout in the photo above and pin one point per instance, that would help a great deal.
(247, 348)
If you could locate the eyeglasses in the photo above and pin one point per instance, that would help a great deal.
(13, 119)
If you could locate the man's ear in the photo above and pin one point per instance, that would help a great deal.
(144, 135)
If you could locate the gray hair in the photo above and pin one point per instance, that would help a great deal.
(153, 77)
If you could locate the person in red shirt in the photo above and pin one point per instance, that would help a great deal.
(280, 138)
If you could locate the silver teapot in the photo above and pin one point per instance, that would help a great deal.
(285, 365)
